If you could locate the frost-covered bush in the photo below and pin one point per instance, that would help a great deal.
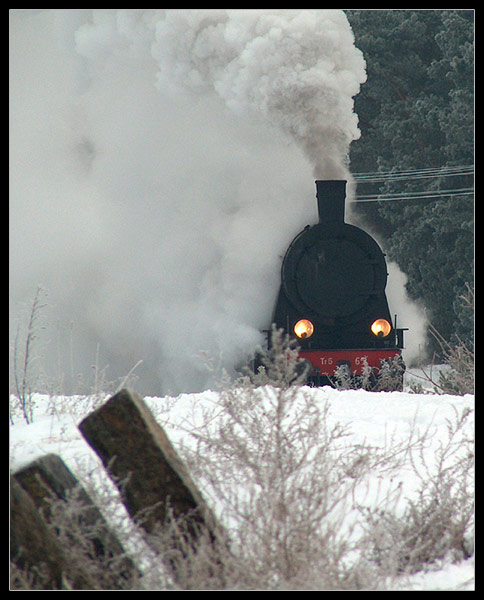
(291, 487)
(389, 377)
(287, 479)
(438, 524)
(284, 475)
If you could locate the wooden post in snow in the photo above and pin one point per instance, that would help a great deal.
(37, 560)
(155, 485)
(62, 501)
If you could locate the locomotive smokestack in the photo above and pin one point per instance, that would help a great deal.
(331, 194)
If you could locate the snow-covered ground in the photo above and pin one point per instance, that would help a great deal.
(373, 418)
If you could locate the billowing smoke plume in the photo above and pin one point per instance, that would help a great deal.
(161, 162)
(299, 69)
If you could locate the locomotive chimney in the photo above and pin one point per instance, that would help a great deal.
(331, 194)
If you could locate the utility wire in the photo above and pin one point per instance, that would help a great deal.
(376, 177)
(393, 176)
(414, 195)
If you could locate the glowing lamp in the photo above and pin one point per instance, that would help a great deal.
(304, 328)
(381, 328)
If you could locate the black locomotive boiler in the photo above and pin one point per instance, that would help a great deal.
(332, 296)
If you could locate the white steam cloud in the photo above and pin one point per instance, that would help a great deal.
(299, 69)
(160, 163)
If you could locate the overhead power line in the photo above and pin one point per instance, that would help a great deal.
(414, 195)
(394, 176)
(376, 177)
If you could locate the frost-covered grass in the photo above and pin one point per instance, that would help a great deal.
(318, 488)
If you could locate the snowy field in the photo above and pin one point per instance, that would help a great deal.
(371, 418)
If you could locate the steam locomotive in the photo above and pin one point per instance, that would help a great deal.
(332, 297)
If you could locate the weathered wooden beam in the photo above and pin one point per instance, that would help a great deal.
(51, 485)
(35, 551)
(154, 483)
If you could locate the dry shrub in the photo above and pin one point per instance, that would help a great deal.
(458, 356)
(288, 483)
(389, 378)
(438, 523)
